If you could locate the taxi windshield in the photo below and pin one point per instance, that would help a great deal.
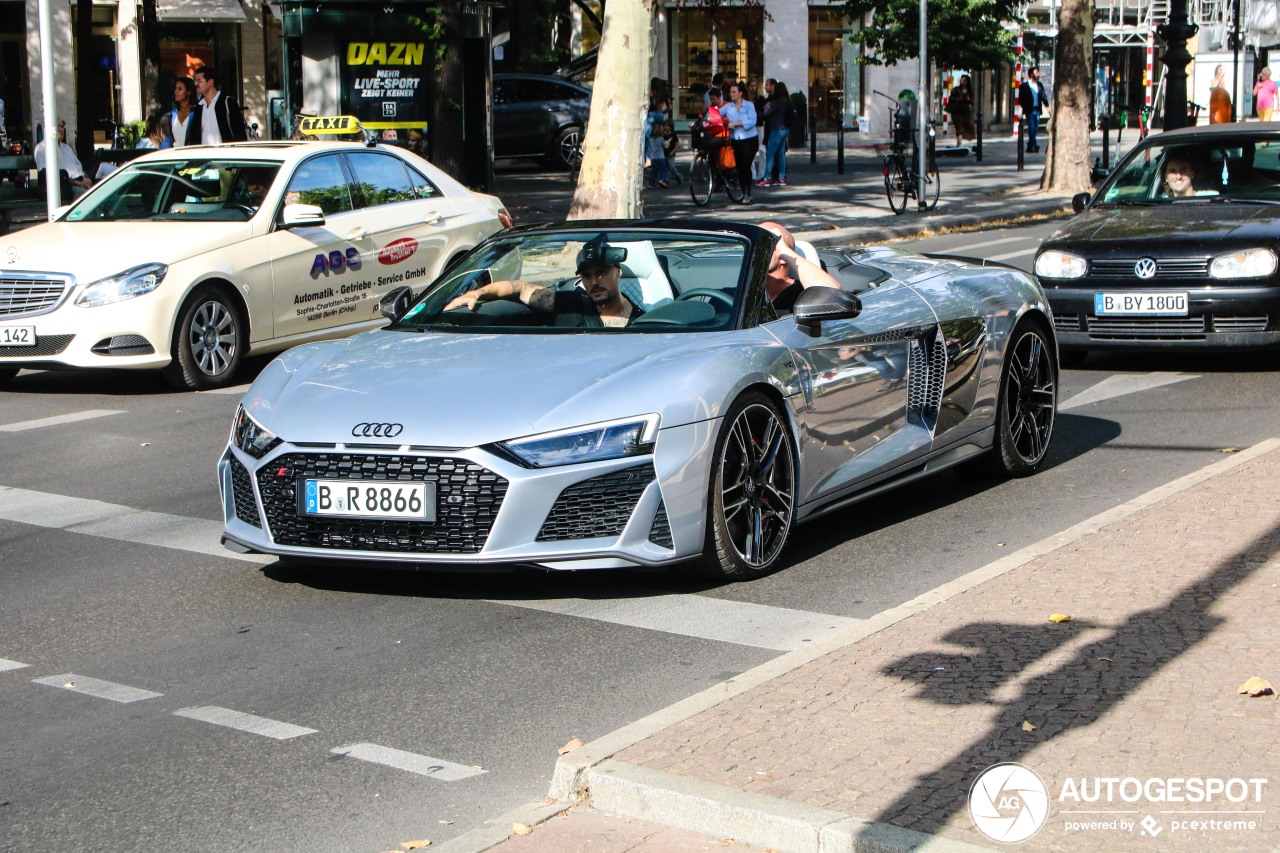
(203, 189)
(586, 281)
(1236, 167)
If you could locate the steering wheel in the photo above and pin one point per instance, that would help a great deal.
(714, 294)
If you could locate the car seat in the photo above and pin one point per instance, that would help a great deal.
(643, 279)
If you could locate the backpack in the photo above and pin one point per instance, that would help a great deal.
(697, 133)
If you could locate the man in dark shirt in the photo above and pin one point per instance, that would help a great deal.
(789, 273)
(600, 268)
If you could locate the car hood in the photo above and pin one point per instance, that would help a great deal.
(1172, 229)
(463, 390)
(93, 250)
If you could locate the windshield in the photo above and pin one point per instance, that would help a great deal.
(614, 281)
(177, 190)
(1236, 167)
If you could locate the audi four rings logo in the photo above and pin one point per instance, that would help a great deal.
(377, 430)
(1145, 268)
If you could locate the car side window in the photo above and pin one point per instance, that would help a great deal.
(382, 179)
(422, 186)
(321, 182)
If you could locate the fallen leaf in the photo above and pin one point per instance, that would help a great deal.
(145, 444)
(569, 747)
(1059, 617)
(1028, 727)
(1108, 660)
(1257, 686)
(521, 828)
(416, 845)
(1228, 450)
(445, 822)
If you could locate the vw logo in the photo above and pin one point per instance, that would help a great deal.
(1145, 268)
(377, 430)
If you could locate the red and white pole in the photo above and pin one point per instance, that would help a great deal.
(1017, 84)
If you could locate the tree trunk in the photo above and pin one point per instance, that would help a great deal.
(444, 129)
(1069, 161)
(613, 151)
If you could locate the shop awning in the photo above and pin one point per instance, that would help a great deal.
(170, 11)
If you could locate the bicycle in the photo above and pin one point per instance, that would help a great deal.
(902, 183)
(706, 177)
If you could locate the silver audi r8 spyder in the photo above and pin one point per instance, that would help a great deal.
(521, 429)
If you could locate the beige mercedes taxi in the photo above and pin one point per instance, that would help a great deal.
(188, 259)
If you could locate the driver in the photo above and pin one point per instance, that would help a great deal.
(600, 268)
(790, 273)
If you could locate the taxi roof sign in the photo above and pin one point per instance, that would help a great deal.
(329, 125)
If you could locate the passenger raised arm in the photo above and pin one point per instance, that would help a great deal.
(789, 272)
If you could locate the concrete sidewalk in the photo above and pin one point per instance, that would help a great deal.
(874, 740)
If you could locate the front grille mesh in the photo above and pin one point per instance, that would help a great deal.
(660, 532)
(1240, 324)
(242, 491)
(1165, 267)
(599, 506)
(45, 345)
(1104, 328)
(468, 497)
(21, 297)
(1066, 322)
(927, 365)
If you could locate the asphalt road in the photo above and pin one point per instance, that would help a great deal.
(157, 692)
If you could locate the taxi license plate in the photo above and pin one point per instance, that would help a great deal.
(369, 499)
(17, 336)
(1165, 304)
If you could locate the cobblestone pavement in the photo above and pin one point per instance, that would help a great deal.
(876, 742)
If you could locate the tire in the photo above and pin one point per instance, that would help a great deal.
(208, 341)
(700, 180)
(933, 186)
(732, 186)
(753, 471)
(566, 151)
(1027, 403)
(7, 373)
(1072, 357)
(895, 185)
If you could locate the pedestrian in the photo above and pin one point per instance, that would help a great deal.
(1033, 99)
(717, 82)
(417, 142)
(181, 129)
(220, 117)
(779, 116)
(1265, 91)
(73, 181)
(154, 136)
(740, 115)
(961, 104)
(659, 103)
(1219, 98)
(671, 144)
(657, 159)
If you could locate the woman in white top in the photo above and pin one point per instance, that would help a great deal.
(180, 117)
(740, 115)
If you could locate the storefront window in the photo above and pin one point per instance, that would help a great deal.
(834, 79)
(102, 91)
(730, 40)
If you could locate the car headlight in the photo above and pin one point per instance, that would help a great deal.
(1053, 264)
(1249, 263)
(594, 443)
(125, 285)
(250, 436)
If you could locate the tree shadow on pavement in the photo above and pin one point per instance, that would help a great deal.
(1072, 696)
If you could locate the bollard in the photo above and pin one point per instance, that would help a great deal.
(1106, 143)
(840, 148)
(978, 141)
(813, 139)
(1021, 150)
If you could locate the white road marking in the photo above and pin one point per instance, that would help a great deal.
(423, 765)
(969, 247)
(1007, 255)
(245, 722)
(6, 665)
(1118, 386)
(741, 622)
(100, 689)
(234, 389)
(114, 521)
(88, 414)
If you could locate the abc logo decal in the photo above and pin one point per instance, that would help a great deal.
(1008, 803)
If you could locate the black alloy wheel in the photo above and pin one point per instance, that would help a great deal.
(752, 492)
(566, 152)
(1028, 401)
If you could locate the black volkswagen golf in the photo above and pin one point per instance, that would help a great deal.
(1177, 249)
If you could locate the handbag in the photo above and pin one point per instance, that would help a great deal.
(726, 159)
(757, 166)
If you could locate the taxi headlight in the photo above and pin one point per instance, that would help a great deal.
(594, 443)
(1054, 264)
(250, 436)
(121, 286)
(1248, 263)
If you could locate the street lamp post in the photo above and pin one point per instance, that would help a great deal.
(1175, 34)
(922, 132)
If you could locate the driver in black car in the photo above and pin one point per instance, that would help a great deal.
(599, 267)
